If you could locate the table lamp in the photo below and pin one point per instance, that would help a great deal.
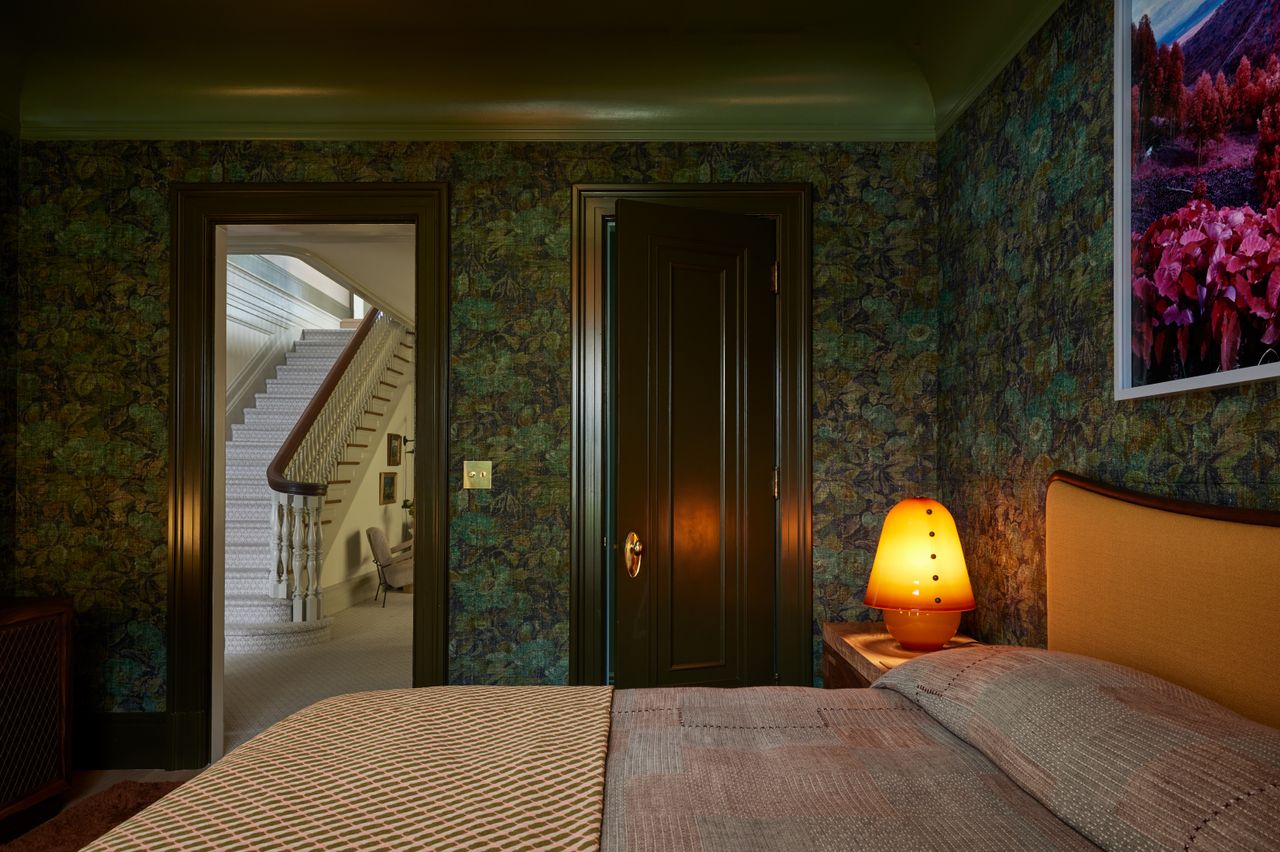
(919, 578)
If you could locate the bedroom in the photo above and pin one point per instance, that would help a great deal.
(961, 340)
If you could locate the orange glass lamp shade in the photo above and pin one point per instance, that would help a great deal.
(919, 577)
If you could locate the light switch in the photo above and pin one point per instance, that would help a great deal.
(477, 474)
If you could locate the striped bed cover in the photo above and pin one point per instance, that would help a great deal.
(474, 767)
(984, 748)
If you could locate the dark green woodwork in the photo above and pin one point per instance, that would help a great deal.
(197, 210)
(696, 391)
(789, 207)
(122, 741)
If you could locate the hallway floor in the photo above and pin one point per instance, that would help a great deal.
(372, 648)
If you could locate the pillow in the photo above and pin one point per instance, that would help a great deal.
(1125, 758)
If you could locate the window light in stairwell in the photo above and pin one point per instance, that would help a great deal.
(919, 576)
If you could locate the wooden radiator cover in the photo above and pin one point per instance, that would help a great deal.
(35, 693)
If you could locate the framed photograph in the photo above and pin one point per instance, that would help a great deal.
(1197, 195)
(395, 449)
(387, 487)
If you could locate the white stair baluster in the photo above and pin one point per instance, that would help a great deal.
(314, 550)
(298, 551)
(278, 582)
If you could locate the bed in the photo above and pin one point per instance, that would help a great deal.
(1123, 734)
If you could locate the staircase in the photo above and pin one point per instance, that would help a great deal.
(256, 621)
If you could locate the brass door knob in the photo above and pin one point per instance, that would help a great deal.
(634, 550)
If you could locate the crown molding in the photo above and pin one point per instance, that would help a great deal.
(998, 63)
(37, 131)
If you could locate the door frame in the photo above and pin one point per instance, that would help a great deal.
(790, 205)
(197, 209)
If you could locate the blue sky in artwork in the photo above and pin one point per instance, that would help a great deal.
(1172, 20)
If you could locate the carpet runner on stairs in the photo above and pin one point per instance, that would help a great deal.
(255, 621)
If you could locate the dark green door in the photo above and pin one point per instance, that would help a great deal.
(696, 448)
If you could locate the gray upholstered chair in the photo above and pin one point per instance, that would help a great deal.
(395, 564)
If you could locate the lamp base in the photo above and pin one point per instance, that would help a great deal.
(919, 630)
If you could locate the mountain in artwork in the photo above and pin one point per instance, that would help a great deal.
(1175, 20)
(1237, 28)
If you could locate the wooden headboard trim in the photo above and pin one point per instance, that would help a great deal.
(1260, 517)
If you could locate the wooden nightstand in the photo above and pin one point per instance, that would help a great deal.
(855, 653)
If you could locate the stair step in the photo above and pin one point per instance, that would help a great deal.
(241, 453)
(279, 416)
(259, 638)
(246, 584)
(276, 404)
(260, 435)
(248, 482)
(249, 510)
(290, 389)
(264, 421)
(251, 580)
(312, 357)
(243, 556)
(250, 517)
(257, 610)
(319, 338)
(303, 372)
(319, 333)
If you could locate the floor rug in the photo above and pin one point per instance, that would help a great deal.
(87, 820)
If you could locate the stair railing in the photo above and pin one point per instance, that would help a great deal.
(301, 471)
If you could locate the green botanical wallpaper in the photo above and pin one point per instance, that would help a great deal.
(1026, 330)
(93, 370)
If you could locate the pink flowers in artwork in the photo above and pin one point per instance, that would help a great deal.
(1206, 284)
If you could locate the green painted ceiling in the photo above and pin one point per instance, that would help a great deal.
(397, 69)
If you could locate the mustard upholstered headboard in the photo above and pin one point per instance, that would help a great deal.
(1187, 592)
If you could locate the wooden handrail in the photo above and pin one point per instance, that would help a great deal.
(275, 471)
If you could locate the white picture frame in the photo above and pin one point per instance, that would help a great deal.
(1123, 247)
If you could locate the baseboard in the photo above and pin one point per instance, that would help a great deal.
(121, 741)
(349, 592)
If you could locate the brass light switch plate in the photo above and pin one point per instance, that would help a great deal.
(477, 474)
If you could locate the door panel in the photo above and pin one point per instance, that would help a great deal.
(696, 447)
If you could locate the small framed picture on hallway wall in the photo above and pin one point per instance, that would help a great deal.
(395, 449)
(1197, 194)
(387, 487)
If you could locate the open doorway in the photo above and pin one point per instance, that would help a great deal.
(316, 356)
(205, 217)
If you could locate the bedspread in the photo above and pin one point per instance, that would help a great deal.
(477, 767)
(777, 768)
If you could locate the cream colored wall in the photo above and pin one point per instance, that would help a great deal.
(349, 575)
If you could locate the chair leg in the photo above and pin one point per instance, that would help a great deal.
(385, 591)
